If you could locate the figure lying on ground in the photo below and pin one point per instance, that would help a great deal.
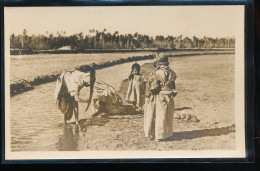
(185, 117)
(106, 100)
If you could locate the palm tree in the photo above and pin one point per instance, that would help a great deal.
(24, 35)
(12, 40)
(91, 30)
(195, 42)
(114, 37)
(135, 38)
(136, 35)
(159, 38)
(119, 41)
(130, 39)
(108, 40)
(170, 40)
(81, 37)
(103, 35)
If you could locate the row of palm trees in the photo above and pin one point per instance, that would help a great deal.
(106, 40)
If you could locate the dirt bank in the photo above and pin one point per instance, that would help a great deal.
(30, 52)
(25, 83)
(199, 83)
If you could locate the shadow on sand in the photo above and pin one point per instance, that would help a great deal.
(178, 136)
(182, 108)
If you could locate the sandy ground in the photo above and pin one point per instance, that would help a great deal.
(205, 86)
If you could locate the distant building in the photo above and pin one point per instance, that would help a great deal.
(65, 48)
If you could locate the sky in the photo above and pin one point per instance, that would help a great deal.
(212, 21)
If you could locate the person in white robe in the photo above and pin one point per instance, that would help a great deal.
(136, 88)
(159, 102)
(67, 90)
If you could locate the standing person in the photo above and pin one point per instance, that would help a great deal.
(67, 90)
(136, 87)
(159, 103)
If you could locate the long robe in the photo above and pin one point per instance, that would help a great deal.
(159, 103)
(135, 90)
(66, 86)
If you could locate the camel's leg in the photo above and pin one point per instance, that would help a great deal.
(65, 120)
(96, 113)
(76, 115)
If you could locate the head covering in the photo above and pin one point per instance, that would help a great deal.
(161, 59)
(136, 65)
(84, 78)
(87, 74)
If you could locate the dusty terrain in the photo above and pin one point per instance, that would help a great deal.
(205, 86)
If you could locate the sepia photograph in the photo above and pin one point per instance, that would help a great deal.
(124, 82)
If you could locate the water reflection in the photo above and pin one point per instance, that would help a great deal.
(72, 133)
(69, 140)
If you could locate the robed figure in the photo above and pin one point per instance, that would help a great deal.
(67, 96)
(159, 102)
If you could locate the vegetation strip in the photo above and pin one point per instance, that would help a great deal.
(77, 51)
(104, 40)
(24, 85)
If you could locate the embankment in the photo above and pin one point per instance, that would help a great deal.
(22, 85)
(76, 51)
